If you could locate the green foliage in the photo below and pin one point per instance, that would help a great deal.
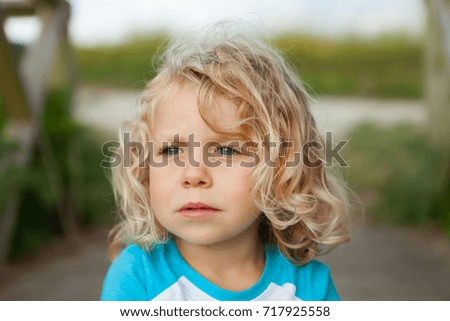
(388, 66)
(10, 173)
(78, 153)
(127, 65)
(2, 116)
(75, 156)
(407, 173)
(90, 182)
(36, 224)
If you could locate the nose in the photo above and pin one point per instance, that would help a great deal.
(196, 173)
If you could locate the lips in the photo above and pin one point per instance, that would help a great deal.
(197, 210)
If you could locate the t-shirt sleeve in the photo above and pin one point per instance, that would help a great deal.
(331, 294)
(125, 279)
(315, 283)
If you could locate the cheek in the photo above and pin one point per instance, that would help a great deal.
(160, 183)
(161, 194)
(239, 185)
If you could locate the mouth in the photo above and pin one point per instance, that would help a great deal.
(197, 210)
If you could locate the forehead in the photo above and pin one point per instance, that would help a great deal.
(178, 112)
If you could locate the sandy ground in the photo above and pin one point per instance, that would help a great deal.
(380, 263)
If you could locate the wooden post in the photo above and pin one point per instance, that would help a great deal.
(437, 70)
(17, 110)
(437, 75)
(39, 57)
(24, 88)
(11, 89)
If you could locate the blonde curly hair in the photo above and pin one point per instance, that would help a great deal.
(304, 208)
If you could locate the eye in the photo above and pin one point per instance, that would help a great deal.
(174, 150)
(227, 151)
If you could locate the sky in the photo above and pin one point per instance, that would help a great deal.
(96, 22)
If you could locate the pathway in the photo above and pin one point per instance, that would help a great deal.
(380, 263)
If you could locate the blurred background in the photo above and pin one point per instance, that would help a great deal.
(72, 71)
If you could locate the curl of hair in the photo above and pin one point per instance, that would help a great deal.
(304, 208)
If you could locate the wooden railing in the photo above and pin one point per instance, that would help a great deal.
(24, 86)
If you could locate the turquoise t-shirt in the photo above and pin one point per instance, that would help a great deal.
(163, 275)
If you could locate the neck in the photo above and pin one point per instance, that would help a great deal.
(234, 264)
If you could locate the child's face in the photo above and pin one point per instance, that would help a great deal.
(191, 179)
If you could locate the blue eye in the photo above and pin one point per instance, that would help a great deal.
(227, 151)
(170, 150)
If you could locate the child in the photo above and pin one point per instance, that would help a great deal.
(220, 199)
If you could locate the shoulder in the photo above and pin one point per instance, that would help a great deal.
(133, 259)
(312, 280)
(313, 270)
(127, 277)
(131, 255)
